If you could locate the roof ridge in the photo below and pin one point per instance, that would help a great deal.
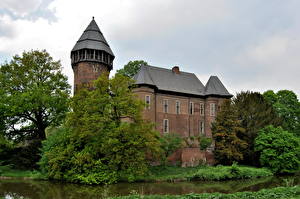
(160, 68)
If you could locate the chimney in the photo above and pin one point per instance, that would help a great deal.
(175, 69)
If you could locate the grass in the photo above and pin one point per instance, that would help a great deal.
(7, 171)
(275, 193)
(203, 173)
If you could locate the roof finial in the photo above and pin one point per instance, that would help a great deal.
(93, 17)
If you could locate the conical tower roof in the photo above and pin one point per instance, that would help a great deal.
(92, 38)
(215, 87)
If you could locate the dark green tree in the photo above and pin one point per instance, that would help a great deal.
(279, 150)
(131, 68)
(34, 95)
(255, 113)
(287, 106)
(96, 145)
(227, 133)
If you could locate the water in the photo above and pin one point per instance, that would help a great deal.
(32, 189)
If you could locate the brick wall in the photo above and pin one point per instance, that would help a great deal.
(86, 72)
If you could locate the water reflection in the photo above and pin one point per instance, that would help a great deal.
(48, 190)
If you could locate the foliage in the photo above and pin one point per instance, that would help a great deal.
(170, 142)
(254, 113)
(279, 150)
(8, 171)
(205, 142)
(274, 193)
(131, 68)
(94, 146)
(287, 106)
(228, 133)
(204, 173)
(34, 95)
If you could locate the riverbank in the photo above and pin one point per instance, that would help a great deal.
(166, 173)
(6, 172)
(202, 173)
(275, 193)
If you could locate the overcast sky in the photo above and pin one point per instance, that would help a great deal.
(249, 44)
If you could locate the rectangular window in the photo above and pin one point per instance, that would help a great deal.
(177, 107)
(191, 108)
(201, 109)
(147, 101)
(166, 126)
(212, 109)
(201, 127)
(166, 107)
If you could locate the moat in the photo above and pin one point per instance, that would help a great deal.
(32, 189)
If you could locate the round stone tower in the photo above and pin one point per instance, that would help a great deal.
(90, 57)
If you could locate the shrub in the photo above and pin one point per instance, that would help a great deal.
(170, 142)
(205, 142)
(279, 150)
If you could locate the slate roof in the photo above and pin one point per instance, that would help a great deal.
(184, 82)
(214, 86)
(92, 38)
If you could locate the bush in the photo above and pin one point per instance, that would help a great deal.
(279, 150)
(170, 142)
(205, 142)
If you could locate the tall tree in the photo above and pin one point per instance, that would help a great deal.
(287, 106)
(131, 68)
(97, 146)
(34, 95)
(255, 113)
(279, 149)
(227, 133)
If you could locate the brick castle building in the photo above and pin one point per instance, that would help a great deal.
(177, 101)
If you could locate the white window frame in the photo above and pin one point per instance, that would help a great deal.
(166, 126)
(212, 107)
(148, 105)
(166, 106)
(201, 127)
(191, 108)
(177, 107)
(202, 109)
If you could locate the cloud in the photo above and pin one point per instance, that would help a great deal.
(20, 8)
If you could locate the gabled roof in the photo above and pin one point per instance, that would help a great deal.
(184, 82)
(92, 38)
(215, 87)
(167, 80)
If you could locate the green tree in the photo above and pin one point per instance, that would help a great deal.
(131, 68)
(97, 147)
(279, 150)
(255, 113)
(34, 95)
(227, 133)
(287, 106)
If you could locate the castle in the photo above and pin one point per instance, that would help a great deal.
(177, 101)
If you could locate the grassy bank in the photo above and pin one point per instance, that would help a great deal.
(8, 172)
(203, 173)
(275, 193)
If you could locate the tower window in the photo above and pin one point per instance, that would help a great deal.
(177, 107)
(201, 109)
(166, 107)
(166, 126)
(201, 127)
(212, 109)
(147, 101)
(191, 108)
